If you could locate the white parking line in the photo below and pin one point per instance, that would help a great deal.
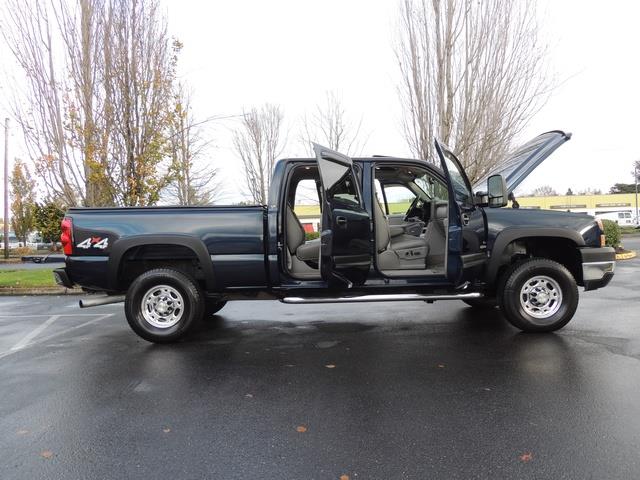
(59, 315)
(34, 333)
(75, 327)
(27, 341)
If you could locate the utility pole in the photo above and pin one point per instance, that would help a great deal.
(635, 176)
(6, 188)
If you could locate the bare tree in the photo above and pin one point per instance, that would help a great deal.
(140, 62)
(83, 36)
(193, 178)
(329, 126)
(590, 191)
(46, 96)
(94, 100)
(473, 74)
(258, 142)
(543, 191)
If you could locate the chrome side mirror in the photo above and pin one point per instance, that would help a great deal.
(497, 191)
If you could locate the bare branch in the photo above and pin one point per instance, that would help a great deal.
(472, 76)
(258, 144)
(329, 126)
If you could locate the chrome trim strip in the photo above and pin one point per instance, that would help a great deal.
(393, 297)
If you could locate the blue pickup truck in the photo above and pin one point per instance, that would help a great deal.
(173, 266)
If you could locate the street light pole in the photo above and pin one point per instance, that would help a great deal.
(6, 188)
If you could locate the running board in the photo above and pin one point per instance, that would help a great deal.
(391, 297)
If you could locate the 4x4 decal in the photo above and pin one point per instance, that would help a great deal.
(95, 242)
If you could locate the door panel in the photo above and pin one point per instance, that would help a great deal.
(345, 252)
(467, 223)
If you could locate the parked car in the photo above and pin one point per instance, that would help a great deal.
(14, 242)
(173, 265)
(624, 219)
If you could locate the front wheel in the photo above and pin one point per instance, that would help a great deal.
(162, 305)
(538, 295)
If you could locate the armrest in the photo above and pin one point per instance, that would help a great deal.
(408, 228)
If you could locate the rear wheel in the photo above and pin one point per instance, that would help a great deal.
(538, 295)
(162, 305)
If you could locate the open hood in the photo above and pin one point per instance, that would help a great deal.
(517, 166)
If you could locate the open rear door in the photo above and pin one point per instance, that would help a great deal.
(345, 252)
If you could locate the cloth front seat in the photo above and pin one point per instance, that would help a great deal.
(400, 251)
(305, 251)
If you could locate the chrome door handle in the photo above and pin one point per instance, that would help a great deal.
(465, 219)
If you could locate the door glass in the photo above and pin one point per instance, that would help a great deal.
(460, 188)
(332, 173)
(344, 191)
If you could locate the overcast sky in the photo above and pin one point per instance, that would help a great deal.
(243, 53)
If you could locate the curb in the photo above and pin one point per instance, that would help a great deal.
(626, 256)
(39, 291)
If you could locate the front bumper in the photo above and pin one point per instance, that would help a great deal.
(61, 278)
(598, 265)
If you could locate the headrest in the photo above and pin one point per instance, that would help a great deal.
(442, 210)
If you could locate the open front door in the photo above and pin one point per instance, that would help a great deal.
(345, 252)
(466, 241)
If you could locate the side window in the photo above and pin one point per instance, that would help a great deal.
(435, 189)
(306, 193)
(399, 198)
(620, 215)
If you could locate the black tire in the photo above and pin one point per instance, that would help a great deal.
(484, 303)
(213, 307)
(546, 280)
(186, 306)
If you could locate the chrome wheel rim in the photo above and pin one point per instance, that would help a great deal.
(541, 296)
(162, 306)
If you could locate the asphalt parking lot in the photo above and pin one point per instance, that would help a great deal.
(378, 391)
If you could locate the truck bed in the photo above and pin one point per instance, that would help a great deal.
(232, 237)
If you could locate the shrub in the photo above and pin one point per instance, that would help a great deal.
(22, 251)
(612, 233)
(311, 235)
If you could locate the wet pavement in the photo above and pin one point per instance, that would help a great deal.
(378, 391)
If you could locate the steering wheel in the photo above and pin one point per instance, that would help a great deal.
(416, 210)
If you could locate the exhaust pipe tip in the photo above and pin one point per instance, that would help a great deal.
(98, 300)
